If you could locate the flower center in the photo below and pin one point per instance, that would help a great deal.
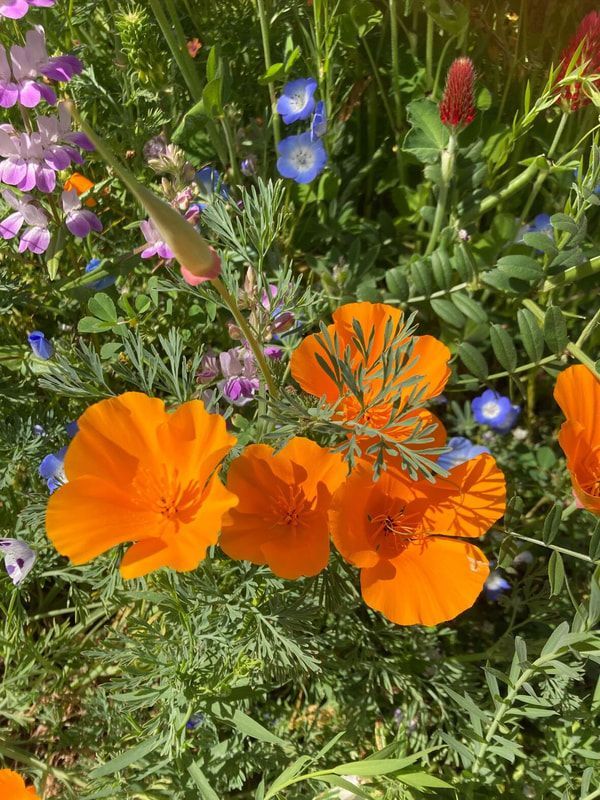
(491, 409)
(303, 158)
(393, 530)
(298, 100)
(291, 507)
(168, 497)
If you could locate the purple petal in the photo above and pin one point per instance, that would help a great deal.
(29, 94)
(78, 224)
(81, 140)
(36, 240)
(9, 94)
(57, 158)
(45, 179)
(11, 225)
(62, 68)
(149, 251)
(13, 9)
(48, 94)
(13, 172)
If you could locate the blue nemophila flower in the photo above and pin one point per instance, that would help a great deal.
(495, 585)
(19, 558)
(39, 430)
(540, 224)
(301, 158)
(101, 283)
(72, 428)
(297, 100)
(318, 124)
(209, 181)
(41, 347)
(462, 450)
(52, 469)
(495, 410)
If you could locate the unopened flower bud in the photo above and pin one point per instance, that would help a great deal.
(457, 107)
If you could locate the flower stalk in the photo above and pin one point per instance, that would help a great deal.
(447, 172)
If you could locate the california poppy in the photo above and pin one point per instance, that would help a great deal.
(389, 370)
(400, 534)
(281, 519)
(12, 787)
(577, 392)
(137, 473)
(81, 184)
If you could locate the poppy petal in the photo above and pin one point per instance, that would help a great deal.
(88, 516)
(144, 557)
(577, 392)
(428, 583)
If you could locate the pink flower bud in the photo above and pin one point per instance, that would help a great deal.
(588, 32)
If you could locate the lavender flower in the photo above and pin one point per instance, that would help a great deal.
(209, 367)
(16, 9)
(80, 221)
(36, 237)
(156, 246)
(240, 383)
(40, 346)
(19, 558)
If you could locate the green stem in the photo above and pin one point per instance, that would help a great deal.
(589, 329)
(563, 550)
(571, 274)
(492, 200)
(523, 368)
(231, 304)
(447, 171)
(541, 178)
(382, 92)
(235, 168)
(178, 47)
(266, 44)
(429, 52)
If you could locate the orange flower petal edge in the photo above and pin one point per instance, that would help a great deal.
(577, 392)
(423, 374)
(12, 787)
(137, 473)
(399, 533)
(282, 516)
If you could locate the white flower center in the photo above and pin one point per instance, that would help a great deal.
(303, 158)
(491, 409)
(298, 100)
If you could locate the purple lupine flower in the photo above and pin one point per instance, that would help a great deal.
(273, 351)
(281, 320)
(40, 345)
(301, 158)
(209, 367)
(31, 62)
(297, 100)
(80, 221)
(495, 585)
(462, 449)
(19, 558)
(240, 383)
(495, 410)
(156, 246)
(9, 91)
(52, 469)
(194, 721)
(36, 237)
(16, 9)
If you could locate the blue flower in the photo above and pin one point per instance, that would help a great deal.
(41, 347)
(72, 428)
(540, 224)
(297, 100)
(52, 469)
(462, 450)
(318, 124)
(19, 558)
(101, 283)
(209, 181)
(495, 410)
(495, 585)
(194, 722)
(39, 430)
(300, 158)
(248, 166)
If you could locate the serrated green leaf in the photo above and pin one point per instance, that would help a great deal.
(428, 136)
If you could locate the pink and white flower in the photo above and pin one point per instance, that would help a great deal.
(156, 246)
(16, 9)
(36, 237)
(80, 221)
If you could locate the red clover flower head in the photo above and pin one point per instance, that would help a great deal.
(457, 107)
(588, 32)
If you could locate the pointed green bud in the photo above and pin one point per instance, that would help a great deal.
(190, 249)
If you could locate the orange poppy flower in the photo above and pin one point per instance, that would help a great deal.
(137, 473)
(12, 787)
(418, 375)
(81, 184)
(281, 519)
(577, 392)
(399, 533)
